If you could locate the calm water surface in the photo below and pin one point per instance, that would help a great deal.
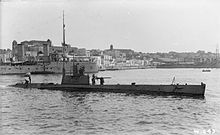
(42, 112)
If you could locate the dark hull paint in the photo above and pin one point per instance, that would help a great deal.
(198, 90)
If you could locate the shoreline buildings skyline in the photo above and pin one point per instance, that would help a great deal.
(215, 47)
(37, 50)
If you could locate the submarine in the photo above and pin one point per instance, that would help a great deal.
(80, 82)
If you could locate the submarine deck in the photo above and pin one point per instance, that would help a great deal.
(122, 88)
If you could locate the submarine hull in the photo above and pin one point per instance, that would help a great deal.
(118, 88)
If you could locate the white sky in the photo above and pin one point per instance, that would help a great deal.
(141, 25)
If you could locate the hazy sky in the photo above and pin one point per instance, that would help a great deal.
(142, 25)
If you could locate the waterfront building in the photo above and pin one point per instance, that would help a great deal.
(107, 60)
(5, 55)
(30, 49)
(36, 50)
(81, 52)
(119, 54)
(88, 54)
(67, 49)
(96, 52)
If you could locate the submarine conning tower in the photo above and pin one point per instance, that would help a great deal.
(77, 78)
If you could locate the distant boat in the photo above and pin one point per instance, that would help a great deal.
(206, 70)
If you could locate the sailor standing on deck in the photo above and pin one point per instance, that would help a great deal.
(93, 79)
(29, 78)
(101, 81)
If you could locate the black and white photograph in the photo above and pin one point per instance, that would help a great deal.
(110, 67)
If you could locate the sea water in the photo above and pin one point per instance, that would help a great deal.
(44, 112)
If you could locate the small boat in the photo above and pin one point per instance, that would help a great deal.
(206, 70)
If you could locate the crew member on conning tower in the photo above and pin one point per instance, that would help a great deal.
(93, 79)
